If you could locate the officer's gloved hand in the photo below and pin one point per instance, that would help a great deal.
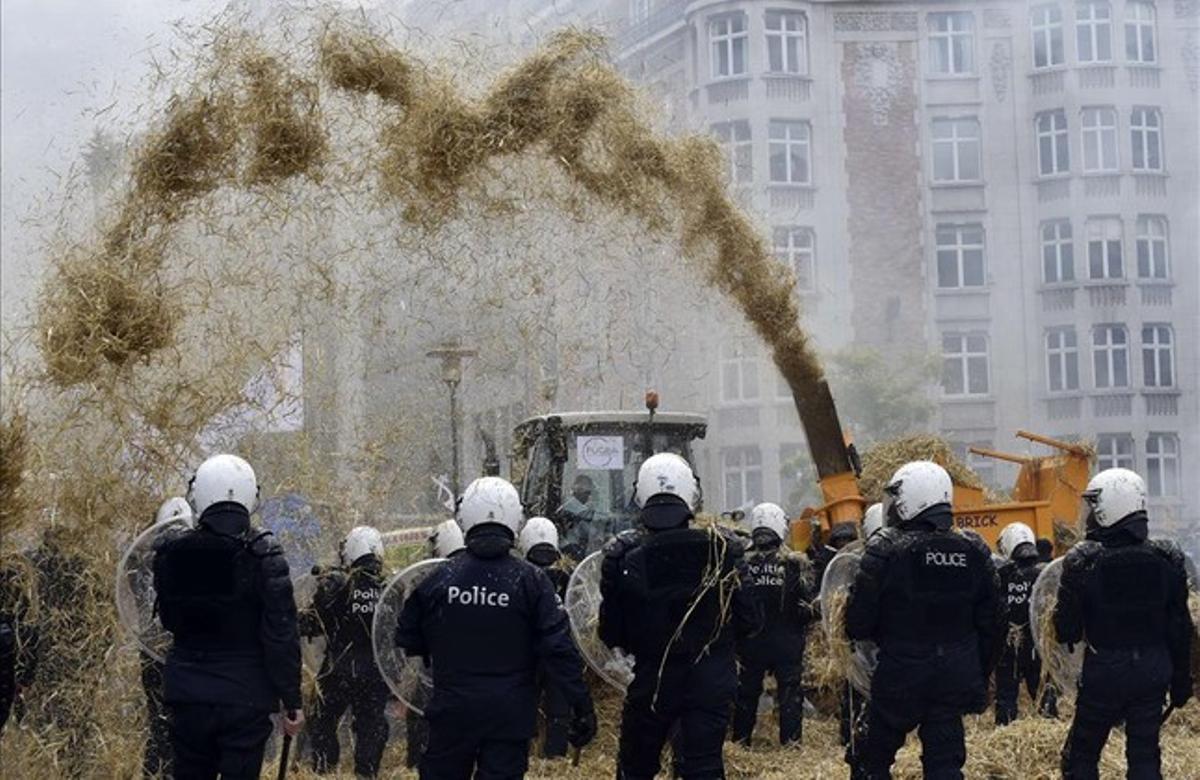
(582, 729)
(1181, 692)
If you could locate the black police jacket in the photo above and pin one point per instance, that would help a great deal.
(1016, 585)
(674, 593)
(343, 611)
(923, 585)
(486, 620)
(225, 594)
(1120, 591)
(780, 584)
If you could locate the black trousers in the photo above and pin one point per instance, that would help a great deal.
(852, 722)
(943, 747)
(788, 673)
(454, 753)
(8, 679)
(362, 692)
(1127, 686)
(156, 759)
(218, 740)
(556, 713)
(1020, 664)
(694, 698)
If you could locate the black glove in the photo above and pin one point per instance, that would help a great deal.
(1181, 692)
(582, 729)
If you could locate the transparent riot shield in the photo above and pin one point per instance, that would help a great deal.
(312, 648)
(858, 659)
(135, 590)
(1060, 664)
(583, 608)
(409, 677)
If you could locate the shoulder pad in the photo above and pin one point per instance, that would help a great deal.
(1169, 550)
(622, 543)
(980, 545)
(262, 543)
(1084, 553)
(880, 547)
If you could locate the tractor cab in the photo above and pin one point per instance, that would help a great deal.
(579, 468)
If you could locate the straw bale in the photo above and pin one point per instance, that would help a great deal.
(882, 460)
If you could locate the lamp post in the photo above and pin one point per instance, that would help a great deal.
(452, 354)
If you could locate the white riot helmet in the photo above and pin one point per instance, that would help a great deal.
(362, 540)
(490, 500)
(769, 517)
(221, 479)
(667, 474)
(1013, 536)
(1115, 494)
(176, 508)
(914, 488)
(537, 531)
(872, 520)
(446, 539)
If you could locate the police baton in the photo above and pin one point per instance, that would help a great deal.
(286, 749)
(575, 756)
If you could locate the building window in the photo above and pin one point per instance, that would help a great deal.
(1162, 464)
(1158, 356)
(1058, 252)
(1104, 249)
(741, 471)
(1047, 36)
(787, 42)
(1152, 247)
(735, 141)
(964, 364)
(956, 150)
(1114, 451)
(1054, 150)
(1062, 360)
(1110, 356)
(730, 42)
(1139, 33)
(1099, 140)
(794, 247)
(790, 146)
(952, 42)
(739, 374)
(1145, 131)
(960, 256)
(1093, 31)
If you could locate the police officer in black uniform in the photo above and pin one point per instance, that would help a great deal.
(538, 542)
(1019, 660)
(1125, 597)
(342, 611)
(780, 584)
(18, 637)
(486, 620)
(225, 594)
(820, 553)
(929, 598)
(671, 597)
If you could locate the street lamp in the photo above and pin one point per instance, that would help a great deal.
(452, 354)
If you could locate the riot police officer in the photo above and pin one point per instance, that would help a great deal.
(538, 543)
(1019, 660)
(928, 597)
(780, 584)
(1125, 597)
(820, 553)
(483, 708)
(18, 638)
(671, 596)
(342, 611)
(225, 593)
(852, 722)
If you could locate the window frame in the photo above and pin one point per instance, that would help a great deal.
(742, 470)
(1146, 135)
(1058, 242)
(789, 145)
(1158, 354)
(1059, 138)
(960, 248)
(739, 152)
(789, 251)
(1091, 124)
(956, 143)
(728, 40)
(783, 34)
(1066, 356)
(1100, 229)
(1157, 455)
(952, 39)
(965, 357)
(1144, 235)
(743, 359)
(1119, 457)
(1045, 28)
(1144, 32)
(1109, 349)
(1093, 23)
